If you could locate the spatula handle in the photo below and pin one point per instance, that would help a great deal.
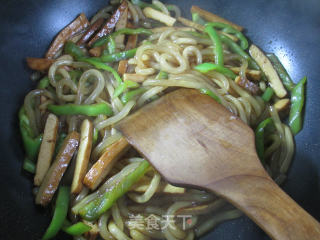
(267, 205)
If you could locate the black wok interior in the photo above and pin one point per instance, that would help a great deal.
(290, 29)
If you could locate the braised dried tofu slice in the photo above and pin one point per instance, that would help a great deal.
(282, 104)
(250, 73)
(268, 70)
(159, 16)
(79, 24)
(110, 24)
(104, 164)
(248, 85)
(55, 173)
(83, 156)
(39, 64)
(91, 30)
(47, 148)
(122, 23)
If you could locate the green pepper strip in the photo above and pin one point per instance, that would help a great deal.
(76, 229)
(60, 213)
(229, 29)
(207, 67)
(123, 87)
(31, 144)
(267, 95)
(282, 72)
(162, 75)
(95, 136)
(128, 31)
(297, 102)
(43, 83)
(126, 97)
(218, 49)
(115, 57)
(95, 208)
(237, 49)
(197, 19)
(211, 94)
(91, 110)
(29, 166)
(260, 137)
(100, 65)
(72, 49)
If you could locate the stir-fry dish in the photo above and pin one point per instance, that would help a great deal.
(97, 72)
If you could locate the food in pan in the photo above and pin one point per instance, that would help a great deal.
(97, 72)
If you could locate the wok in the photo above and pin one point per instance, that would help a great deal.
(290, 29)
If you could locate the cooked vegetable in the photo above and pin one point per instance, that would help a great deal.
(76, 229)
(29, 166)
(159, 16)
(126, 97)
(72, 49)
(39, 64)
(218, 50)
(124, 86)
(207, 67)
(297, 103)
(213, 18)
(31, 143)
(74, 109)
(47, 148)
(83, 156)
(79, 24)
(115, 57)
(268, 70)
(104, 164)
(60, 213)
(267, 95)
(282, 72)
(211, 94)
(110, 24)
(260, 130)
(97, 207)
(53, 177)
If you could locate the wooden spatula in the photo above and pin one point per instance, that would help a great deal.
(192, 140)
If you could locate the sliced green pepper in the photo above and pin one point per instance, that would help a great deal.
(229, 29)
(91, 110)
(124, 86)
(259, 132)
(267, 95)
(116, 57)
(197, 19)
(162, 75)
(126, 97)
(95, 136)
(31, 144)
(29, 166)
(297, 103)
(282, 72)
(60, 213)
(100, 65)
(238, 50)
(218, 49)
(72, 49)
(97, 207)
(43, 83)
(207, 67)
(211, 94)
(76, 229)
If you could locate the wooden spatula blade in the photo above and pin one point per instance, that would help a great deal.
(190, 131)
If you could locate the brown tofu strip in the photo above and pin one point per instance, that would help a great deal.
(122, 68)
(104, 164)
(110, 24)
(47, 148)
(248, 85)
(79, 24)
(53, 177)
(252, 74)
(91, 30)
(83, 156)
(96, 51)
(122, 23)
(213, 18)
(39, 64)
(132, 42)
